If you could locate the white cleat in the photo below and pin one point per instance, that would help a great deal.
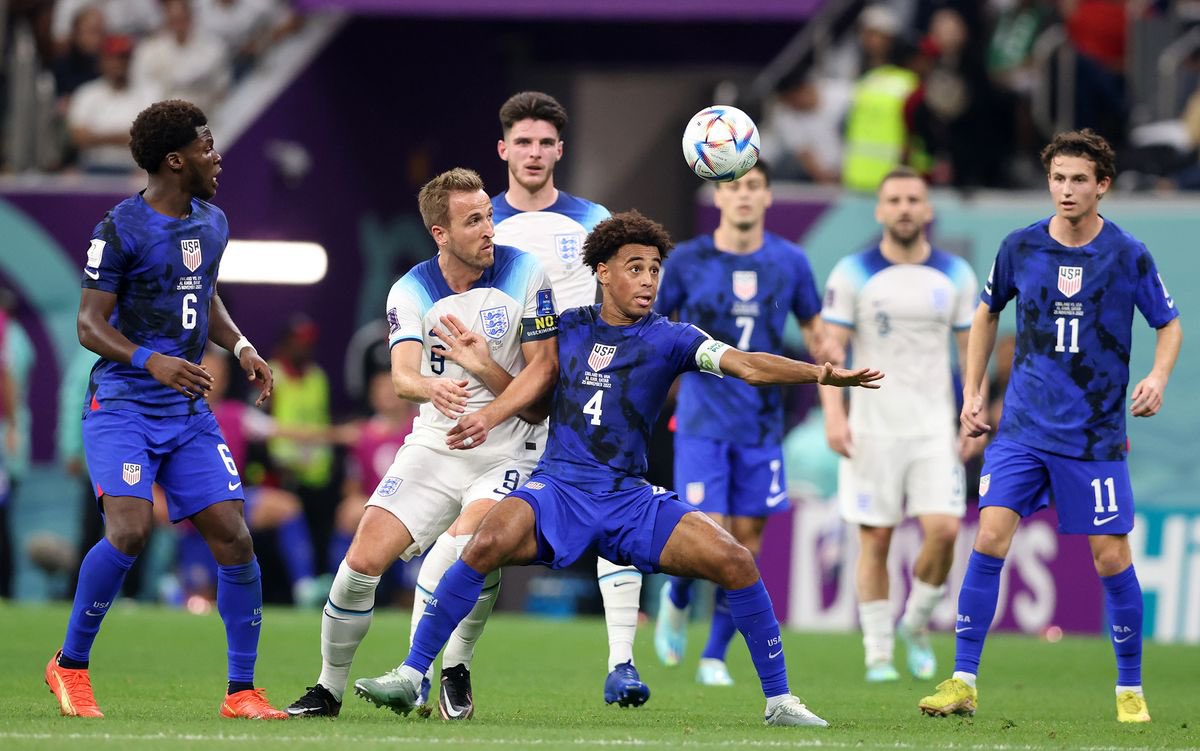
(791, 712)
(712, 672)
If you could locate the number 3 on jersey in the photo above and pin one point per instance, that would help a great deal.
(595, 407)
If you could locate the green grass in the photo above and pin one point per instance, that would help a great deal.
(159, 675)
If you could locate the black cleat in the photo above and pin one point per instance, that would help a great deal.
(454, 700)
(317, 702)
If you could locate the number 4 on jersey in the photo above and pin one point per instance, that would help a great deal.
(595, 407)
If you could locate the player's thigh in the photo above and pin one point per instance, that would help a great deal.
(493, 480)
(380, 539)
(564, 520)
(1092, 498)
(505, 537)
(748, 530)
(128, 522)
(1015, 477)
(870, 483)
(758, 487)
(699, 548)
(122, 453)
(198, 470)
(422, 490)
(703, 473)
(935, 482)
(223, 526)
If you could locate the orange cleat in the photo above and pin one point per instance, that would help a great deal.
(251, 704)
(72, 688)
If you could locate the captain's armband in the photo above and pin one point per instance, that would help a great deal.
(708, 356)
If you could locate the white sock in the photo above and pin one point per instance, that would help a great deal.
(621, 588)
(876, 620)
(460, 649)
(967, 678)
(344, 623)
(1135, 689)
(922, 599)
(433, 566)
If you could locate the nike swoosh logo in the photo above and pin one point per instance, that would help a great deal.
(959, 630)
(623, 583)
(1097, 521)
(1170, 304)
(88, 612)
(429, 612)
(775, 500)
(256, 622)
(773, 655)
(1123, 640)
(234, 485)
(450, 710)
(93, 274)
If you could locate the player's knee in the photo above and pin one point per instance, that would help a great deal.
(130, 540)
(486, 551)
(364, 562)
(992, 542)
(942, 537)
(1110, 562)
(736, 567)
(233, 546)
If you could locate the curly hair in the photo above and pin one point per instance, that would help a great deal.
(626, 228)
(1084, 143)
(434, 198)
(532, 105)
(161, 128)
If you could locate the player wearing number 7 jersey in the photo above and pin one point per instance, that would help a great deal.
(1077, 278)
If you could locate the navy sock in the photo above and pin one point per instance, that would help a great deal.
(100, 578)
(236, 686)
(239, 601)
(976, 608)
(722, 630)
(680, 591)
(339, 545)
(455, 595)
(752, 613)
(296, 549)
(1123, 604)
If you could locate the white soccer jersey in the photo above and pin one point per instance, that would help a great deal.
(510, 304)
(902, 316)
(555, 236)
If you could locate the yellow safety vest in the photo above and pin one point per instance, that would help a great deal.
(875, 129)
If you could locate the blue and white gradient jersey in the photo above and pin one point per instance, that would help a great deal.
(1074, 326)
(555, 236)
(163, 271)
(612, 381)
(902, 316)
(743, 299)
(510, 304)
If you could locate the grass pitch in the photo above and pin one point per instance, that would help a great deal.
(159, 676)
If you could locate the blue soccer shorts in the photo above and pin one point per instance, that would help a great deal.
(127, 452)
(627, 527)
(1090, 497)
(720, 477)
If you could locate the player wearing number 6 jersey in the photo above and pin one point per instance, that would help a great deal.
(1076, 278)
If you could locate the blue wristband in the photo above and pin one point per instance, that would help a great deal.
(140, 356)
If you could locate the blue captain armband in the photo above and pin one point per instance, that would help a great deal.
(708, 356)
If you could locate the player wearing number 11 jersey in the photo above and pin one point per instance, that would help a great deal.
(1076, 278)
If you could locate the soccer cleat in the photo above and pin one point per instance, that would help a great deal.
(953, 696)
(791, 712)
(921, 661)
(882, 672)
(455, 701)
(624, 687)
(316, 702)
(1131, 707)
(72, 688)
(251, 704)
(670, 629)
(393, 690)
(712, 672)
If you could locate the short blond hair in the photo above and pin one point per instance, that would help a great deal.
(434, 198)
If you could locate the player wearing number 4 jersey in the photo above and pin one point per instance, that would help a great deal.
(1077, 278)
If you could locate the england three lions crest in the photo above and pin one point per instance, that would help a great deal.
(1070, 280)
(569, 247)
(745, 285)
(601, 356)
(495, 322)
(191, 254)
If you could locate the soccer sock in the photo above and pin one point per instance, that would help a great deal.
(296, 549)
(454, 597)
(681, 591)
(722, 630)
(976, 608)
(344, 623)
(621, 590)
(460, 649)
(434, 565)
(239, 601)
(100, 578)
(755, 618)
(875, 617)
(1123, 604)
(922, 599)
(197, 569)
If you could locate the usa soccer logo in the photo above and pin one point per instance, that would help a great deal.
(745, 285)
(568, 247)
(601, 356)
(495, 322)
(388, 486)
(131, 473)
(191, 254)
(1070, 280)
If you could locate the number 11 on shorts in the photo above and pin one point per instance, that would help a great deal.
(1112, 495)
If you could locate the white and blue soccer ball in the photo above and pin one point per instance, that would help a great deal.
(720, 143)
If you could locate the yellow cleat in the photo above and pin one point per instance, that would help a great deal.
(953, 697)
(1131, 707)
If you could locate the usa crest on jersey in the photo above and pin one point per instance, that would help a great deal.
(191, 254)
(568, 246)
(495, 322)
(1070, 280)
(745, 285)
(601, 356)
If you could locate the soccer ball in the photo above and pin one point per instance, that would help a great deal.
(720, 143)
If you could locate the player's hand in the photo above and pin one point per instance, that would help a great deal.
(187, 378)
(972, 416)
(970, 446)
(461, 345)
(1147, 397)
(471, 431)
(864, 377)
(448, 396)
(837, 435)
(257, 369)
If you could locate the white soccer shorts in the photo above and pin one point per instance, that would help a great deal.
(885, 472)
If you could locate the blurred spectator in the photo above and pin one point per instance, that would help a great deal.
(101, 111)
(876, 132)
(802, 137)
(127, 17)
(80, 61)
(182, 61)
(1010, 66)
(1097, 30)
(879, 25)
(1164, 155)
(247, 27)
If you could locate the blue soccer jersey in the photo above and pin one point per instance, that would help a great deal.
(744, 300)
(1074, 320)
(612, 381)
(163, 271)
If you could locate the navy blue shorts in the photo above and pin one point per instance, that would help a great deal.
(719, 477)
(627, 527)
(127, 452)
(1090, 497)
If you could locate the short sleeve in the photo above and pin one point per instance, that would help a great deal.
(1151, 296)
(687, 340)
(841, 292)
(108, 258)
(966, 295)
(539, 319)
(806, 301)
(406, 306)
(1000, 286)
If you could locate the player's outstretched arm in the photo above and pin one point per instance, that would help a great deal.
(1147, 397)
(223, 332)
(99, 336)
(765, 369)
(980, 342)
(447, 395)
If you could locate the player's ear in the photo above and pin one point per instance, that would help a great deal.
(602, 273)
(439, 235)
(174, 160)
(502, 149)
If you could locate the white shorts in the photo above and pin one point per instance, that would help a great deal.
(884, 472)
(427, 489)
